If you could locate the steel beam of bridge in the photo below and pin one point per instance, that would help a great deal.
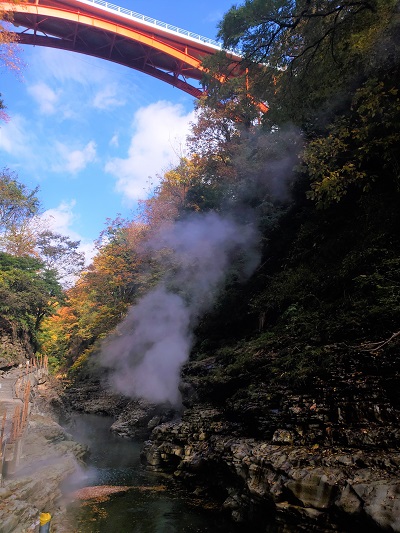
(100, 29)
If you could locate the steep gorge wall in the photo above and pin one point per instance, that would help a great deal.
(295, 418)
(312, 488)
(320, 459)
(322, 456)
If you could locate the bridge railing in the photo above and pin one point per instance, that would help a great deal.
(154, 22)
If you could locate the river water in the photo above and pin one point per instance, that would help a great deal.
(154, 503)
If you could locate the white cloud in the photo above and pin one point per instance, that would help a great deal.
(46, 98)
(63, 66)
(159, 130)
(27, 150)
(75, 160)
(107, 98)
(60, 219)
(85, 82)
(114, 141)
(89, 250)
(15, 137)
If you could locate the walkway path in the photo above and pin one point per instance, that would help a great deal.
(8, 399)
(15, 405)
(39, 457)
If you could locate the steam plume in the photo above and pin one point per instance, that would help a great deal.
(155, 339)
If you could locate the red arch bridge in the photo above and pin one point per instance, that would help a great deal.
(101, 29)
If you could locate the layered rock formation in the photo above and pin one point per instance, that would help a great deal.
(318, 459)
(310, 487)
(133, 418)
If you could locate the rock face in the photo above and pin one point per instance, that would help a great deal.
(325, 458)
(321, 459)
(134, 418)
(139, 418)
(49, 456)
(15, 346)
(311, 487)
(94, 398)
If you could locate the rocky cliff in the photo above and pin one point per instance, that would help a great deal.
(321, 455)
(291, 396)
(318, 458)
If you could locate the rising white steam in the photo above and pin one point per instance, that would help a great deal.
(155, 339)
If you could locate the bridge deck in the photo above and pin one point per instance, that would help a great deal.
(151, 22)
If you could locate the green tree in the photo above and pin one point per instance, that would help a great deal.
(60, 254)
(307, 58)
(17, 202)
(28, 292)
(361, 148)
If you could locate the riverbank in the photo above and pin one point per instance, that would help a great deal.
(117, 493)
(49, 455)
(323, 459)
(278, 483)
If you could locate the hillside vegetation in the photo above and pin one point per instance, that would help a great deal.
(35, 264)
(317, 175)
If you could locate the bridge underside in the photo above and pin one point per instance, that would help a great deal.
(89, 31)
(117, 51)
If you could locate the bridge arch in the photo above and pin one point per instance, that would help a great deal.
(100, 29)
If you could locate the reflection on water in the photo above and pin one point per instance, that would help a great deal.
(151, 504)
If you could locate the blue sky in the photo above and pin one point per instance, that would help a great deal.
(91, 133)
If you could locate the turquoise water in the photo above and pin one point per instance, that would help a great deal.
(154, 504)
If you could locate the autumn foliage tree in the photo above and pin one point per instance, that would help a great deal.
(329, 72)
(101, 296)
